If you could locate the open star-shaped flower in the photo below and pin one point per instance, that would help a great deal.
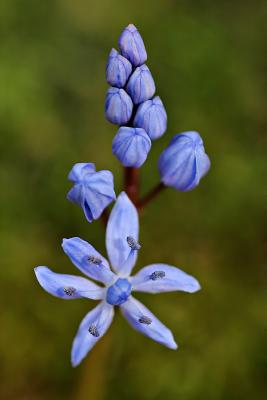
(122, 248)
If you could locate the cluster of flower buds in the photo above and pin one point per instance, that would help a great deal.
(130, 102)
(141, 118)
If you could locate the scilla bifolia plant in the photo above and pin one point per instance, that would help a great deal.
(141, 118)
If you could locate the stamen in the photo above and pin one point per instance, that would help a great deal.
(93, 330)
(94, 260)
(133, 243)
(145, 320)
(157, 275)
(69, 290)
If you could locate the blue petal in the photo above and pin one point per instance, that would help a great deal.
(134, 311)
(100, 317)
(93, 192)
(131, 146)
(118, 106)
(99, 192)
(79, 251)
(184, 162)
(202, 162)
(152, 117)
(118, 69)
(58, 285)
(122, 223)
(141, 85)
(76, 194)
(132, 46)
(156, 278)
(80, 170)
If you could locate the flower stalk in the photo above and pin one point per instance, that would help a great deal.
(132, 183)
(142, 203)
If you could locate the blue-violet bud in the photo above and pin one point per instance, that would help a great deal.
(152, 117)
(131, 146)
(92, 191)
(118, 106)
(141, 85)
(118, 69)
(184, 162)
(132, 46)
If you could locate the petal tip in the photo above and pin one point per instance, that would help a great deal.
(66, 240)
(38, 270)
(123, 197)
(131, 27)
(173, 345)
(195, 287)
(74, 363)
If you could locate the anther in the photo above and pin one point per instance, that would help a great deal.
(69, 290)
(157, 275)
(93, 330)
(133, 243)
(94, 260)
(145, 320)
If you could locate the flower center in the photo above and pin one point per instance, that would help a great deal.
(119, 292)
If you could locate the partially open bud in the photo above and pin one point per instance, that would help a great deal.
(92, 191)
(141, 85)
(152, 117)
(132, 46)
(118, 69)
(184, 162)
(118, 106)
(131, 146)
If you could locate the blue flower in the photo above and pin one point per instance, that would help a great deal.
(131, 146)
(122, 248)
(118, 106)
(118, 69)
(141, 85)
(92, 191)
(184, 162)
(132, 46)
(152, 117)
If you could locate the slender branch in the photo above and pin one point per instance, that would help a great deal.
(150, 196)
(131, 183)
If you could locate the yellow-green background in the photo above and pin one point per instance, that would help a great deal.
(209, 62)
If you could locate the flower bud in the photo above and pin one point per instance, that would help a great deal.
(152, 117)
(118, 106)
(80, 170)
(141, 86)
(92, 191)
(118, 69)
(184, 162)
(131, 146)
(132, 46)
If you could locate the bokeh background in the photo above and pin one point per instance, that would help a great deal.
(209, 62)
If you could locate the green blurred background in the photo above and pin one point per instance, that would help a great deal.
(209, 62)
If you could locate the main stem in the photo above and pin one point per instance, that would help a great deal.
(105, 216)
(131, 183)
